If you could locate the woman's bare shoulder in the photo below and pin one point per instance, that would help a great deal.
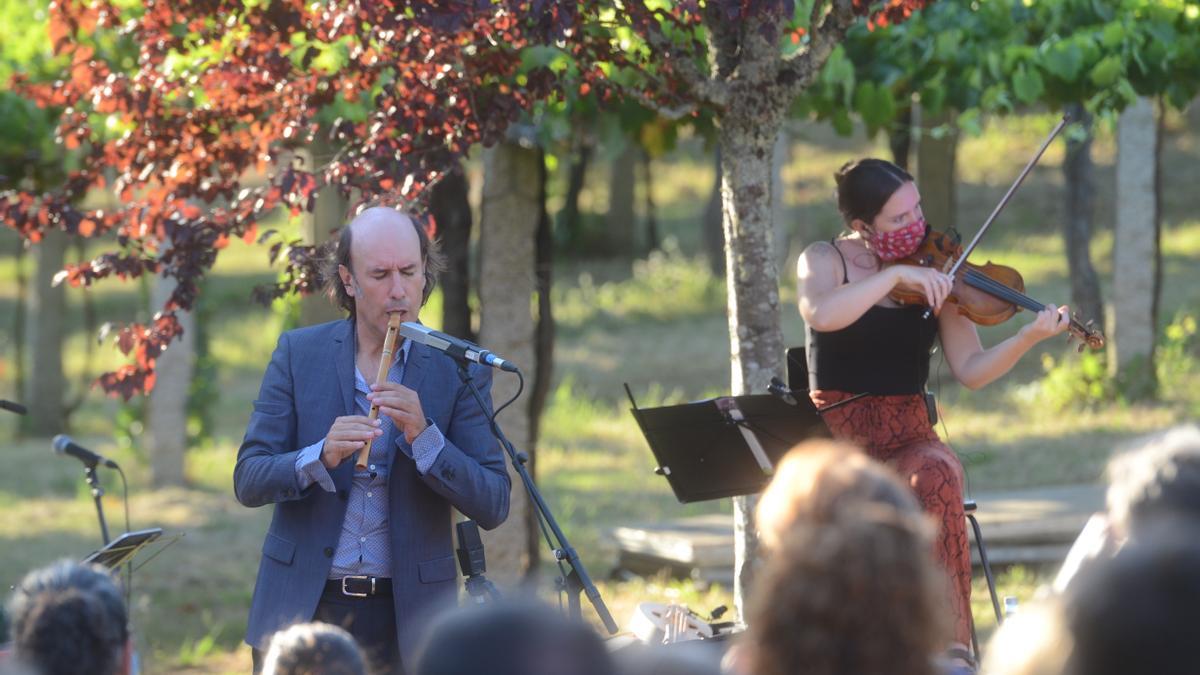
(818, 256)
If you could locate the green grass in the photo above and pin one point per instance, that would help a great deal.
(658, 325)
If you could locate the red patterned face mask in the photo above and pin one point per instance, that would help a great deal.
(899, 243)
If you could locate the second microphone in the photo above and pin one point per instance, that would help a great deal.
(455, 347)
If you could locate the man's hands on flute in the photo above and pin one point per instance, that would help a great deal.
(402, 405)
(346, 437)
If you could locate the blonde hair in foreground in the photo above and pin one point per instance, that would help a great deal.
(819, 478)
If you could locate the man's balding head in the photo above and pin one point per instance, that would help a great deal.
(367, 228)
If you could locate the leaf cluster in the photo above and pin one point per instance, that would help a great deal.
(198, 130)
(992, 56)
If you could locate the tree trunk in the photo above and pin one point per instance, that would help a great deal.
(900, 138)
(452, 211)
(47, 312)
(935, 169)
(329, 214)
(90, 326)
(714, 233)
(1155, 305)
(19, 327)
(510, 212)
(544, 338)
(752, 283)
(167, 404)
(1079, 175)
(653, 239)
(780, 156)
(570, 222)
(621, 219)
(1135, 251)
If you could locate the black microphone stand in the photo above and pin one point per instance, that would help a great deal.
(471, 561)
(97, 493)
(481, 589)
(577, 580)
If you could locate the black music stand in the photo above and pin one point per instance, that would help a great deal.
(728, 446)
(797, 369)
(122, 549)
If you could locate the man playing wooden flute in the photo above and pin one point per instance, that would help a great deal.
(369, 550)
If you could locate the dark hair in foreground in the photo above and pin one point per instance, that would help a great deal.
(854, 595)
(1158, 479)
(432, 259)
(865, 185)
(513, 637)
(69, 618)
(313, 649)
(1138, 612)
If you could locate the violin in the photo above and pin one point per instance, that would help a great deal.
(986, 294)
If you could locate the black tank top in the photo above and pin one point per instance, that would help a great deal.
(886, 351)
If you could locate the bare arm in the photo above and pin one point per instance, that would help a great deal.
(975, 366)
(826, 304)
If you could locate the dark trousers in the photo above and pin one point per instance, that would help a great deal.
(372, 622)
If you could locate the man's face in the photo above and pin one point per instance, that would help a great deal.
(388, 273)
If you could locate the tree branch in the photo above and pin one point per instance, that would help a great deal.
(701, 87)
(801, 70)
(670, 112)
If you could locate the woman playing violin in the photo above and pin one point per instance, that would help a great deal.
(859, 341)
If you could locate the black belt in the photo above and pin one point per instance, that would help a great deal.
(359, 587)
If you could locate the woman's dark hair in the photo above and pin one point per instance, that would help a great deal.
(314, 649)
(865, 185)
(1137, 612)
(432, 260)
(1160, 479)
(515, 636)
(69, 618)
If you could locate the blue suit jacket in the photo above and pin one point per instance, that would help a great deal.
(309, 382)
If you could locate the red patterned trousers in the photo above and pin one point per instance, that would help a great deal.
(896, 431)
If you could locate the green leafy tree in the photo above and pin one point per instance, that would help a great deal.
(745, 63)
(30, 158)
(1092, 59)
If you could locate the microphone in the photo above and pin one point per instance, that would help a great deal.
(63, 445)
(13, 407)
(471, 558)
(455, 347)
(781, 391)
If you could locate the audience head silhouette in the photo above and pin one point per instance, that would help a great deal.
(850, 584)
(1156, 483)
(513, 637)
(313, 649)
(69, 618)
(1137, 612)
(818, 479)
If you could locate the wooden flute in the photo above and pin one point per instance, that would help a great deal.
(385, 364)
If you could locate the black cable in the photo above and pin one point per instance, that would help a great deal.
(129, 563)
(562, 572)
(946, 429)
(520, 388)
(536, 512)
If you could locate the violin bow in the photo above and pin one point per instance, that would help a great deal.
(1007, 196)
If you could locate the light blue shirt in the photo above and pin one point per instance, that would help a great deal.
(364, 545)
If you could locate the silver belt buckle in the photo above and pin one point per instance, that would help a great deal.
(345, 591)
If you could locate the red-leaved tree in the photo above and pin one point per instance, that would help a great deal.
(199, 137)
